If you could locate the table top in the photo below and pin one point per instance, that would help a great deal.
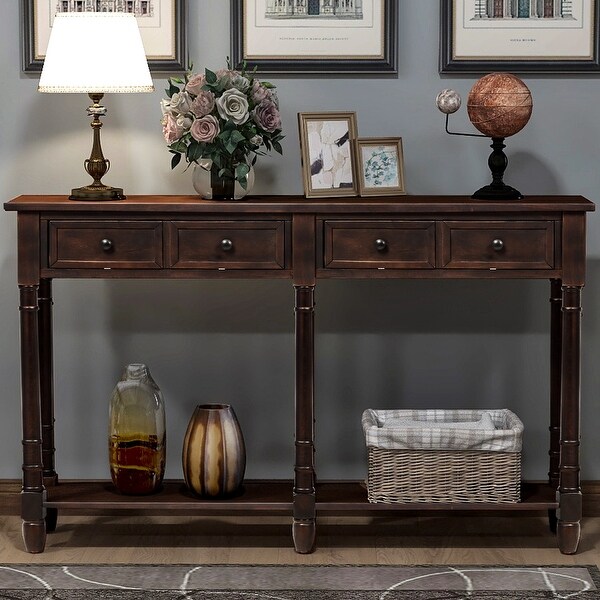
(299, 204)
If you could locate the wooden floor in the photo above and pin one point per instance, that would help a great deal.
(505, 540)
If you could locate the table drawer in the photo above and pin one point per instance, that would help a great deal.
(226, 244)
(105, 244)
(497, 244)
(379, 244)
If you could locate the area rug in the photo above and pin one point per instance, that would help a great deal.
(276, 582)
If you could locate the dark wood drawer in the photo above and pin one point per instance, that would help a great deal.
(105, 244)
(379, 244)
(497, 244)
(226, 244)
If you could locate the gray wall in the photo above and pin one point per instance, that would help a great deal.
(422, 344)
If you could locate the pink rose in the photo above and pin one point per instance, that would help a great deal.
(205, 129)
(203, 103)
(195, 83)
(259, 92)
(225, 77)
(266, 115)
(171, 130)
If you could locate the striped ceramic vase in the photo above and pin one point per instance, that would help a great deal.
(214, 454)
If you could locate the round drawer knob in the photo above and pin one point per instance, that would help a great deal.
(497, 245)
(380, 244)
(226, 245)
(106, 244)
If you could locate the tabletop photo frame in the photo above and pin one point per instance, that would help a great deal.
(380, 164)
(162, 26)
(315, 36)
(328, 154)
(529, 36)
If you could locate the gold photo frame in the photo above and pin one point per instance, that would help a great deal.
(328, 154)
(380, 163)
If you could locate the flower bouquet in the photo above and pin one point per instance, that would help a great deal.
(221, 122)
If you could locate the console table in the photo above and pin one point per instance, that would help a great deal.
(291, 237)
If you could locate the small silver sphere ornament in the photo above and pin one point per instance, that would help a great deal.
(448, 101)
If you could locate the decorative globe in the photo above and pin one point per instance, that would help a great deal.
(499, 105)
(448, 101)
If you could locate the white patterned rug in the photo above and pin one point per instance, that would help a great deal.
(245, 582)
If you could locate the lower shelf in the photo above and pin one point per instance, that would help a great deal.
(268, 497)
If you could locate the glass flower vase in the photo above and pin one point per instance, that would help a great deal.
(210, 186)
(214, 453)
(137, 433)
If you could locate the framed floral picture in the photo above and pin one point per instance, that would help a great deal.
(327, 150)
(162, 25)
(535, 36)
(380, 166)
(315, 36)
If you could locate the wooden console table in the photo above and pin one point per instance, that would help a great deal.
(289, 237)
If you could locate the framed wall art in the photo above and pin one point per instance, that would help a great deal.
(327, 150)
(315, 36)
(380, 165)
(162, 25)
(536, 36)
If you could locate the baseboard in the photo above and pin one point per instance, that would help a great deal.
(10, 490)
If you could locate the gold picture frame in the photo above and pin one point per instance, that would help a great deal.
(380, 162)
(328, 154)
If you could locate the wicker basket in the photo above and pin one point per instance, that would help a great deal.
(419, 475)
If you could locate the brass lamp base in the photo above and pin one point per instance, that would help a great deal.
(95, 193)
(96, 165)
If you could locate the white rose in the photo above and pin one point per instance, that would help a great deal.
(180, 103)
(165, 106)
(184, 122)
(240, 82)
(233, 105)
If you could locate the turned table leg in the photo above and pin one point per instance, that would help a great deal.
(555, 389)
(569, 489)
(47, 392)
(304, 526)
(33, 493)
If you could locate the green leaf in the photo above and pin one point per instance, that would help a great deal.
(177, 80)
(231, 139)
(173, 89)
(268, 85)
(237, 136)
(175, 160)
(277, 147)
(241, 171)
(194, 151)
(211, 77)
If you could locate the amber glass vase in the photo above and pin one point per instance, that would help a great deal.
(214, 453)
(137, 434)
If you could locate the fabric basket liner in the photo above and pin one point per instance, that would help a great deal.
(507, 437)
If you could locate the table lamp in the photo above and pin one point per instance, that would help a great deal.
(95, 53)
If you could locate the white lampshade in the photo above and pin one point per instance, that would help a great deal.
(95, 53)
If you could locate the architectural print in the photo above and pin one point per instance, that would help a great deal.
(140, 8)
(523, 9)
(319, 9)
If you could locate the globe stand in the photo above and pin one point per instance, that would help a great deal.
(497, 190)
